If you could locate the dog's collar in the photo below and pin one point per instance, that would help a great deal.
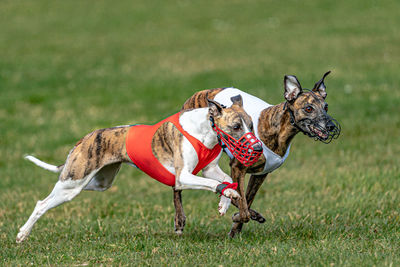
(218, 137)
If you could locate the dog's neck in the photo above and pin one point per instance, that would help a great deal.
(196, 122)
(275, 130)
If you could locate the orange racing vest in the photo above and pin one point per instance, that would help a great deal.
(139, 149)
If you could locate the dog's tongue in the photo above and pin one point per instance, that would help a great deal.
(322, 135)
(319, 133)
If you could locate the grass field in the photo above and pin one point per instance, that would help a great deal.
(69, 67)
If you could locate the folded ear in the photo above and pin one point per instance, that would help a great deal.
(320, 87)
(237, 100)
(214, 108)
(292, 88)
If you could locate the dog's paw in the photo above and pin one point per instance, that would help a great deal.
(178, 232)
(241, 218)
(231, 193)
(223, 205)
(255, 216)
(21, 237)
(236, 229)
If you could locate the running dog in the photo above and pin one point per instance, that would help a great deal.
(275, 125)
(171, 151)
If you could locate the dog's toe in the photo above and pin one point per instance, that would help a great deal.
(178, 232)
(255, 216)
(21, 237)
(222, 210)
(231, 193)
(231, 234)
(261, 220)
(223, 206)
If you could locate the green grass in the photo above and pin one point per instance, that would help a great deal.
(67, 68)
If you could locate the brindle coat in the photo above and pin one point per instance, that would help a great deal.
(94, 161)
(275, 130)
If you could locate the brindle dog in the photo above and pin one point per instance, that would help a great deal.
(96, 159)
(303, 111)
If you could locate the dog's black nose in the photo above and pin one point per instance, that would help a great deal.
(330, 126)
(257, 147)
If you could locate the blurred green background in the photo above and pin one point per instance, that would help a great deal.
(70, 67)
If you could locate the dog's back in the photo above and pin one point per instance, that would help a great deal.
(199, 99)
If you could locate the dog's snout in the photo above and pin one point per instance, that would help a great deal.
(257, 147)
(330, 126)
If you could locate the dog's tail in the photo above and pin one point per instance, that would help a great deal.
(45, 165)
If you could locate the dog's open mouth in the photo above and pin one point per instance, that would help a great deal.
(322, 134)
(318, 132)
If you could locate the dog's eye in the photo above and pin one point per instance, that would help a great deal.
(309, 109)
(237, 127)
(326, 107)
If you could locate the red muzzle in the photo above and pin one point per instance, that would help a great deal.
(244, 148)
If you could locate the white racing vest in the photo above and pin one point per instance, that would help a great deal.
(253, 106)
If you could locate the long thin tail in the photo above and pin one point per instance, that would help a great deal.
(45, 165)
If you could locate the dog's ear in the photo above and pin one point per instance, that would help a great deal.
(320, 87)
(214, 108)
(292, 88)
(237, 100)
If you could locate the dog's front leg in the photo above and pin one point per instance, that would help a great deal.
(211, 171)
(238, 173)
(255, 183)
(214, 172)
(186, 180)
(184, 165)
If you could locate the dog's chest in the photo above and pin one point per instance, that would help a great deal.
(253, 106)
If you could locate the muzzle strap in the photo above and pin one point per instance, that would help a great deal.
(293, 121)
(218, 136)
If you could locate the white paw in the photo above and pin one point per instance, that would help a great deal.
(223, 205)
(178, 232)
(21, 236)
(231, 193)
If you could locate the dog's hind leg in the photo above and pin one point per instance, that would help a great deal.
(62, 192)
(180, 218)
(103, 178)
(102, 150)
